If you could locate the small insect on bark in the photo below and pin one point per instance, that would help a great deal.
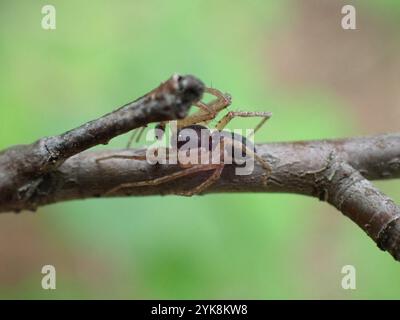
(194, 129)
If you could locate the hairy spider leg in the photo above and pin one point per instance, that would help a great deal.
(164, 179)
(211, 179)
(261, 161)
(221, 102)
(134, 133)
(131, 138)
(244, 114)
(142, 157)
(204, 185)
(122, 156)
(206, 113)
(229, 116)
(204, 107)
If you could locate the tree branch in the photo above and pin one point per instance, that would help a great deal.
(337, 171)
(22, 167)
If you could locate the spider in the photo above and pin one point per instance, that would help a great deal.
(206, 113)
(194, 127)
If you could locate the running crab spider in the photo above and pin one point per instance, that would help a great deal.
(219, 140)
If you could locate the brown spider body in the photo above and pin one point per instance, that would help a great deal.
(192, 135)
(198, 135)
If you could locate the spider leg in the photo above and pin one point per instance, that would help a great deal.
(122, 156)
(140, 134)
(223, 99)
(208, 111)
(136, 132)
(211, 179)
(141, 157)
(249, 152)
(261, 123)
(204, 185)
(260, 160)
(205, 108)
(167, 178)
(131, 138)
(244, 114)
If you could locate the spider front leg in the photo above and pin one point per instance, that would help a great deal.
(244, 114)
(207, 111)
(205, 108)
(221, 102)
(239, 144)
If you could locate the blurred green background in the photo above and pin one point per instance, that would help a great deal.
(289, 57)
